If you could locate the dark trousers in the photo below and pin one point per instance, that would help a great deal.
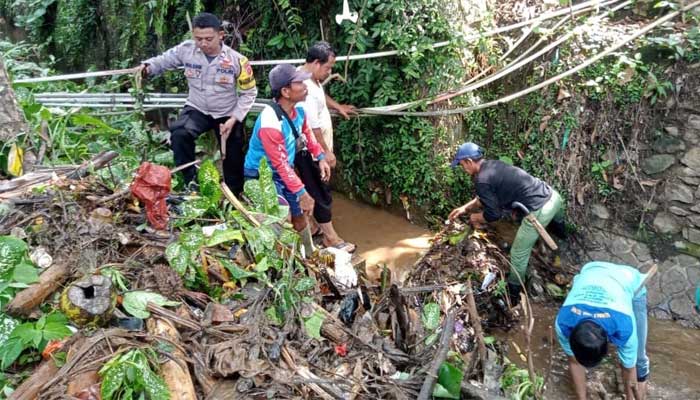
(310, 175)
(187, 129)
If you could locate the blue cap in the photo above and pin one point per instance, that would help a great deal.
(467, 150)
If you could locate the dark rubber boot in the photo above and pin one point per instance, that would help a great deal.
(514, 290)
(558, 229)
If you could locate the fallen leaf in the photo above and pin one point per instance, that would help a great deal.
(544, 122)
(617, 184)
(563, 95)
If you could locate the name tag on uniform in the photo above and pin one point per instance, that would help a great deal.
(193, 73)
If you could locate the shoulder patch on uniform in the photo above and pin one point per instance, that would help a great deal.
(246, 80)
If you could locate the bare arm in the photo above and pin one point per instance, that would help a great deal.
(629, 380)
(578, 376)
(343, 109)
(474, 203)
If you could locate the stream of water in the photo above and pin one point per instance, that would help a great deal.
(384, 238)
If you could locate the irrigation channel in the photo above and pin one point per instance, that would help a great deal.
(383, 237)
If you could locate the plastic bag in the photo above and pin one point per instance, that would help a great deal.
(151, 186)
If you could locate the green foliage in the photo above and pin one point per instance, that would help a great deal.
(312, 325)
(209, 178)
(136, 302)
(449, 382)
(517, 384)
(263, 194)
(32, 336)
(16, 269)
(133, 375)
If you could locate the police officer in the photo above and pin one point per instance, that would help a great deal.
(221, 92)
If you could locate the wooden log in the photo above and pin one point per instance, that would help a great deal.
(82, 382)
(31, 297)
(174, 371)
(332, 329)
(475, 320)
(30, 389)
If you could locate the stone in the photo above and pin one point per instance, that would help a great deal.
(694, 122)
(665, 223)
(674, 282)
(654, 294)
(692, 235)
(689, 172)
(657, 163)
(687, 261)
(668, 144)
(679, 192)
(690, 180)
(600, 211)
(621, 246)
(692, 159)
(694, 219)
(628, 259)
(681, 306)
(641, 251)
(681, 212)
(671, 130)
(695, 208)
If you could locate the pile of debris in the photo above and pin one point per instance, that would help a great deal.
(221, 304)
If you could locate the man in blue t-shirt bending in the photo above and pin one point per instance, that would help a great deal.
(606, 305)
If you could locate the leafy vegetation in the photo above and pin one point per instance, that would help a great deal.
(133, 375)
(33, 336)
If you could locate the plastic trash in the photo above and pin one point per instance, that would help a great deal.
(344, 272)
(41, 258)
(152, 186)
(350, 304)
(487, 280)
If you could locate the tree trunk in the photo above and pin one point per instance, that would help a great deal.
(12, 120)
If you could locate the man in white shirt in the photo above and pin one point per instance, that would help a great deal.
(320, 60)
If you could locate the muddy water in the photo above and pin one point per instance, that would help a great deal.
(673, 351)
(381, 237)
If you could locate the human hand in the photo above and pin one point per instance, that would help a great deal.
(454, 214)
(325, 170)
(346, 110)
(225, 128)
(306, 202)
(143, 70)
(330, 158)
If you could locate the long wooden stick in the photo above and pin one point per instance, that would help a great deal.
(650, 274)
(426, 391)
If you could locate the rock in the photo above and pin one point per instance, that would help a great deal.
(690, 180)
(692, 235)
(694, 122)
(671, 130)
(686, 261)
(674, 282)
(668, 144)
(692, 159)
(621, 246)
(641, 251)
(681, 212)
(681, 306)
(689, 172)
(666, 224)
(679, 192)
(657, 163)
(600, 211)
(695, 220)
(695, 208)
(691, 249)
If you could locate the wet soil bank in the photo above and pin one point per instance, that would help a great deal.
(675, 356)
